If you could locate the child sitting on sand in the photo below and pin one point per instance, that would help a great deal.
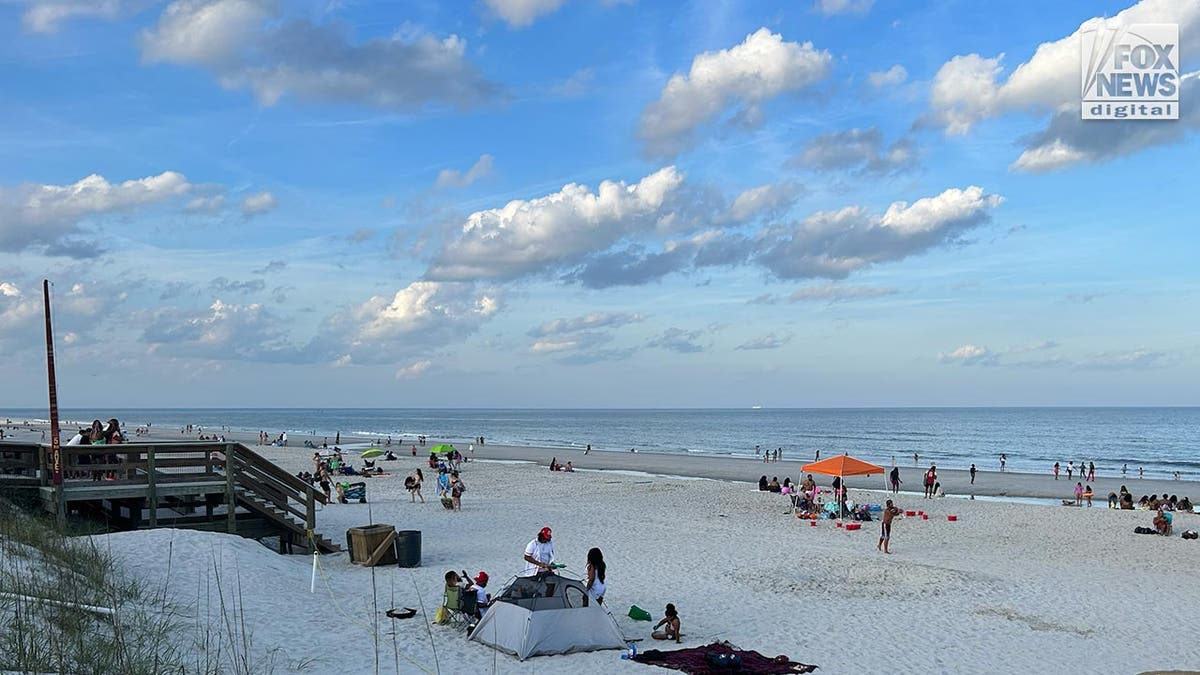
(670, 621)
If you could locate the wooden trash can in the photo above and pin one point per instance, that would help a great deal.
(372, 545)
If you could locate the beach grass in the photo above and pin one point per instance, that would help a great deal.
(66, 606)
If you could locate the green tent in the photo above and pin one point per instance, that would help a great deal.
(440, 449)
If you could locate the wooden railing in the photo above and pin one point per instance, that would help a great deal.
(246, 474)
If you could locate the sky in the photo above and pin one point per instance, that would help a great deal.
(589, 203)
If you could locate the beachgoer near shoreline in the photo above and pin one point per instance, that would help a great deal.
(916, 459)
(817, 455)
(1124, 470)
(588, 449)
(894, 477)
(885, 528)
(762, 484)
(1091, 477)
(1141, 472)
(1070, 469)
(554, 464)
(596, 570)
(670, 624)
(930, 480)
(774, 485)
(1003, 459)
(1056, 471)
(1087, 495)
(972, 474)
(539, 554)
(1078, 494)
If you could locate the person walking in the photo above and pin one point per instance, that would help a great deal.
(894, 476)
(1070, 469)
(885, 528)
(1091, 477)
(972, 474)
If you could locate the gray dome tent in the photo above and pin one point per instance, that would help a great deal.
(547, 614)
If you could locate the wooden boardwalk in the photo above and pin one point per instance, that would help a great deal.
(223, 487)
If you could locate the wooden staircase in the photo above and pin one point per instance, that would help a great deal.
(198, 485)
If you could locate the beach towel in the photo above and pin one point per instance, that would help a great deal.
(720, 657)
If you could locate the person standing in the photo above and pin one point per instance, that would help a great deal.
(413, 485)
(972, 474)
(1078, 494)
(539, 554)
(1070, 469)
(894, 476)
(916, 459)
(596, 570)
(1091, 477)
(885, 528)
(1141, 472)
(930, 480)
(1124, 470)
(1056, 471)
(1003, 459)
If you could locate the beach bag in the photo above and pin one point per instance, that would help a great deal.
(1145, 530)
(638, 614)
(1190, 534)
(442, 615)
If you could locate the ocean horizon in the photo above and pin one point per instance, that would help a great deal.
(1160, 440)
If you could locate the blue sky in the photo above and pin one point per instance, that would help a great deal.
(569, 203)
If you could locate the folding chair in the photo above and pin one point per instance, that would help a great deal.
(461, 606)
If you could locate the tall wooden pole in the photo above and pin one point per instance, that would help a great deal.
(55, 442)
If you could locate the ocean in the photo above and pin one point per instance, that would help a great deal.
(1162, 440)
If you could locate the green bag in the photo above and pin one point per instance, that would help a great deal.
(638, 614)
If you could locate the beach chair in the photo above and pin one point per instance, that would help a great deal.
(460, 607)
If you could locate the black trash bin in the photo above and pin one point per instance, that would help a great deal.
(408, 548)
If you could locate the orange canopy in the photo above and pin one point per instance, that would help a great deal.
(842, 465)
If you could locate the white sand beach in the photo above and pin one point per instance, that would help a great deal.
(1007, 588)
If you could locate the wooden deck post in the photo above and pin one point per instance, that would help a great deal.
(152, 489)
(230, 499)
(43, 477)
(310, 510)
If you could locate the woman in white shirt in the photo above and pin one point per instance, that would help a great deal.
(595, 575)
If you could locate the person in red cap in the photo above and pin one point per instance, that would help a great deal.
(539, 554)
(481, 595)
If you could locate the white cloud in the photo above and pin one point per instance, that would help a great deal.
(886, 78)
(418, 319)
(413, 370)
(829, 7)
(521, 13)
(48, 216)
(764, 199)
(762, 67)
(832, 244)
(857, 149)
(222, 331)
(45, 16)
(9, 290)
(208, 204)
(970, 88)
(530, 236)
(258, 203)
(247, 44)
(448, 178)
(590, 321)
(968, 355)
(569, 343)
